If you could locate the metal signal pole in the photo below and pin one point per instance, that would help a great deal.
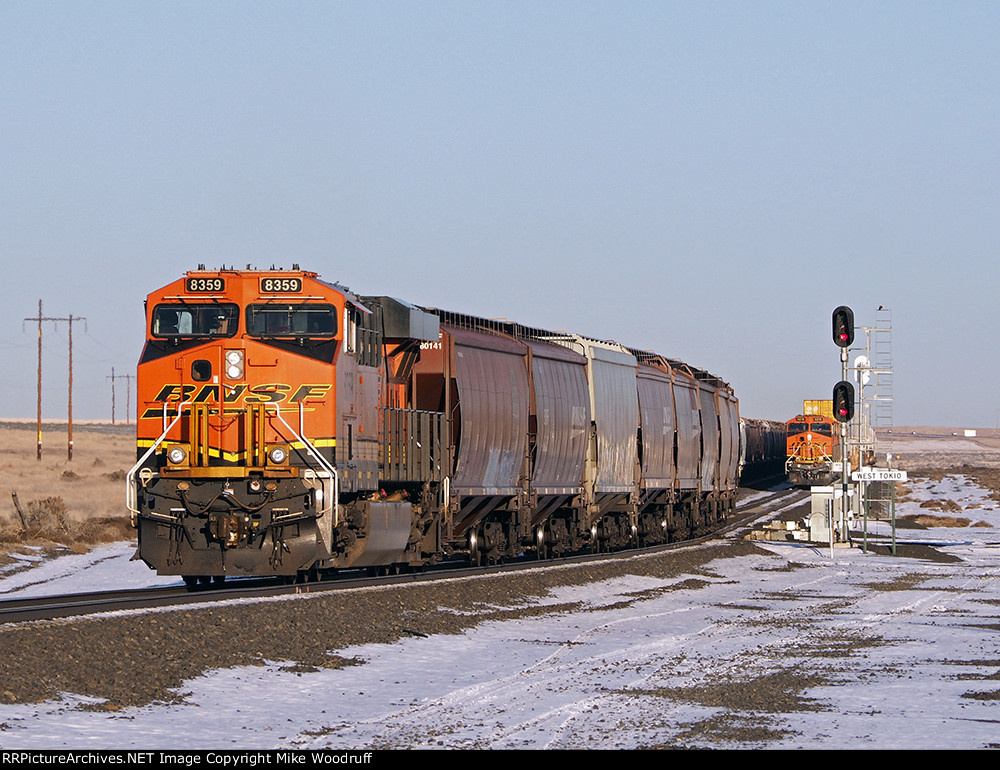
(845, 456)
(843, 405)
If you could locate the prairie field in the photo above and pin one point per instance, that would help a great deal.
(55, 503)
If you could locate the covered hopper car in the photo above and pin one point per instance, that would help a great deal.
(763, 449)
(287, 426)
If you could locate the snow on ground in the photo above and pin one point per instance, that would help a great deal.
(863, 650)
(106, 567)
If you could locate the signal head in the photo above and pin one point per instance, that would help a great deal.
(843, 326)
(843, 401)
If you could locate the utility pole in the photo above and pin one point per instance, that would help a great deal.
(69, 410)
(128, 392)
(112, 378)
(38, 424)
(71, 319)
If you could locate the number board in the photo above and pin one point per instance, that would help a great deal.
(273, 285)
(199, 285)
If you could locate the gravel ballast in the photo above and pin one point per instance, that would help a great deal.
(134, 659)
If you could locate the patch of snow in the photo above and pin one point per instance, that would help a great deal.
(105, 568)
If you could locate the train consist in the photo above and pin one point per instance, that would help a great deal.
(762, 449)
(813, 446)
(287, 426)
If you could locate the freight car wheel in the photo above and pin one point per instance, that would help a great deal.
(595, 539)
(475, 557)
(541, 549)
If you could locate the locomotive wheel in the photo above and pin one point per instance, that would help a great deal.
(310, 575)
(190, 580)
(384, 570)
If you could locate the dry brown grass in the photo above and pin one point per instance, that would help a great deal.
(946, 505)
(78, 503)
(985, 477)
(927, 522)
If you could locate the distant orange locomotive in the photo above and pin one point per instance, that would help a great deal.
(813, 445)
(287, 426)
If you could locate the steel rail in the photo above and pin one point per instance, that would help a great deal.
(17, 610)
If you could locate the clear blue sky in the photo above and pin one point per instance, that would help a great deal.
(705, 179)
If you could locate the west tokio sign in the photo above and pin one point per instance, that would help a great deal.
(878, 474)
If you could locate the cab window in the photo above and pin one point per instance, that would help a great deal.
(187, 320)
(292, 320)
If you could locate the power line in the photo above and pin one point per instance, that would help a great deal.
(70, 320)
(128, 391)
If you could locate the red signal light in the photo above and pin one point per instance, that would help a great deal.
(843, 401)
(843, 326)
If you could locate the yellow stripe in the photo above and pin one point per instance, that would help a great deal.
(326, 443)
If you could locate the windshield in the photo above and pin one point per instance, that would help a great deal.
(203, 320)
(291, 320)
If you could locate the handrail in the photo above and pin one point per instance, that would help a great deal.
(795, 455)
(130, 487)
(322, 461)
(131, 490)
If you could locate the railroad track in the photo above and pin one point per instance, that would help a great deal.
(71, 605)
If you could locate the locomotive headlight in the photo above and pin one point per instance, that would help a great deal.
(277, 455)
(176, 455)
(234, 364)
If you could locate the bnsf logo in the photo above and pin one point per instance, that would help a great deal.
(271, 393)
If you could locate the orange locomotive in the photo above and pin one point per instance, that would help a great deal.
(239, 470)
(813, 445)
(287, 426)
